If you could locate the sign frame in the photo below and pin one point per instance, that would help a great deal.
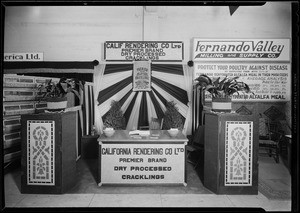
(105, 176)
(141, 76)
(157, 45)
(242, 49)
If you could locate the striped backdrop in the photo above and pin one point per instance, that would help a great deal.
(169, 82)
(198, 101)
(88, 108)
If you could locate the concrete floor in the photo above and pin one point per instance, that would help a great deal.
(87, 194)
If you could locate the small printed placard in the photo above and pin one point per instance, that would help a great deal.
(141, 76)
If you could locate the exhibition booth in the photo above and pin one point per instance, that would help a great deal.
(139, 91)
(144, 112)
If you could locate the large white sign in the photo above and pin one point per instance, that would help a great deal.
(23, 57)
(241, 49)
(143, 51)
(268, 81)
(142, 163)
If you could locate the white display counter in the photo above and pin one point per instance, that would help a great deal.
(154, 159)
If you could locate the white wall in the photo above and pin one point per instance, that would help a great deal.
(69, 33)
(66, 33)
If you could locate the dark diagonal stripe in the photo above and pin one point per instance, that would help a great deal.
(143, 115)
(158, 110)
(175, 91)
(113, 68)
(168, 68)
(130, 107)
(161, 98)
(113, 89)
(93, 106)
(125, 97)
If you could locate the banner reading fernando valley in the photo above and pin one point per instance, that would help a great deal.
(264, 64)
(241, 50)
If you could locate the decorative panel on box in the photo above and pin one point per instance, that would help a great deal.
(238, 153)
(40, 145)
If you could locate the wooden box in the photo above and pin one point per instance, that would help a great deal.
(89, 147)
(48, 152)
(230, 153)
(11, 124)
(11, 131)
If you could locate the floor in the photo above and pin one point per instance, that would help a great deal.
(86, 193)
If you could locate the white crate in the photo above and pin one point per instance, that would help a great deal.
(11, 124)
(12, 80)
(18, 108)
(18, 81)
(11, 143)
(40, 105)
(19, 94)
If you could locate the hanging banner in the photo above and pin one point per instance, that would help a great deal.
(268, 81)
(11, 57)
(143, 51)
(241, 50)
(141, 76)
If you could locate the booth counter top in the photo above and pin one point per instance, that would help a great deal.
(156, 136)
